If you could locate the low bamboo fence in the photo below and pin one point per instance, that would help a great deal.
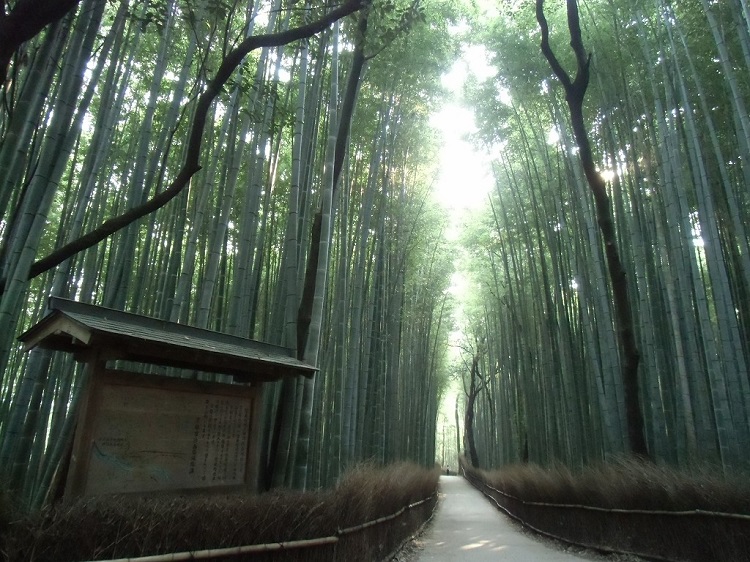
(374, 540)
(670, 536)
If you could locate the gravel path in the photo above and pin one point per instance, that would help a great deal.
(467, 527)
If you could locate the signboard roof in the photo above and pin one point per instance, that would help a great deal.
(77, 328)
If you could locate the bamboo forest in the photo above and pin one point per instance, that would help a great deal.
(268, 169)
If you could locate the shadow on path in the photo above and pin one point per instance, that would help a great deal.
(468, 527)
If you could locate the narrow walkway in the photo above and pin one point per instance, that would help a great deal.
(468, 527)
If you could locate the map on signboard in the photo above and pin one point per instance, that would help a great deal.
(153, 439)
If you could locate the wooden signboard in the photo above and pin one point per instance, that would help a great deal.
(146, 433)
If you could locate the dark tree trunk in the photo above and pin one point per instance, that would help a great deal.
(575, 91)
(304, 313)
(342, 139)
(25, 21)
(474, 390)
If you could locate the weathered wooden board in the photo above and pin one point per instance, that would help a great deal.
(152, 434)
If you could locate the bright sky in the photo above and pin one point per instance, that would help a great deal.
(464, 181)
(465, 176)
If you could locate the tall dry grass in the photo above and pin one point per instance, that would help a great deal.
(640, 507)
(627, 483)
(126, 526)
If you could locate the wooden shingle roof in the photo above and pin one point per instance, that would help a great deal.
(81, 328)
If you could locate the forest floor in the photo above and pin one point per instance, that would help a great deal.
(468, 527)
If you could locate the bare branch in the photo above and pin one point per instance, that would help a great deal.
(25, 21)
(191, 164)
(574, 95)
(557, 68)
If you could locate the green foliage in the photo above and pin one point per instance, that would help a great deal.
(150, 13)
(215, 256)
(662, 106)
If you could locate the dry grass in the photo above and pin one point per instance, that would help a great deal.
(627, 484)
(633, 493)
(118, 527)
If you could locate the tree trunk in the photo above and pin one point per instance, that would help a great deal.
(575, 91)
(475, 387)
(23, 22)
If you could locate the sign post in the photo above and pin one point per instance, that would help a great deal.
(144, 433)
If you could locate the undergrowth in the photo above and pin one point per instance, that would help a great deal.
(125, 526)
(627, 483)
(640, 507)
